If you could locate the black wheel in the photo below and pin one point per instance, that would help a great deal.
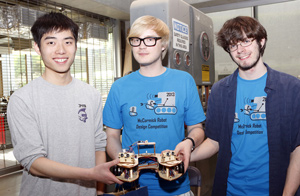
(160, 167)
(181, 168)
(116, 170)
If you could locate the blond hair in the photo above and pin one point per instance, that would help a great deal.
(144, 23)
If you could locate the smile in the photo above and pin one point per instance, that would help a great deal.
(60, 60)
(244, 57)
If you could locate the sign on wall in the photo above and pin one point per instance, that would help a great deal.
(180, 35)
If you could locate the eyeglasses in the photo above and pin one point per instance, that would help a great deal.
(148, 41)
(245, 43)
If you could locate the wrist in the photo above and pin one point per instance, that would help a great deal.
(193, 142)
(88, 174)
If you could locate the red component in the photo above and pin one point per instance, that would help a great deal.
(2, 130)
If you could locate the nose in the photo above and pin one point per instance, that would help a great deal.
(240, 48)
(142, 45)
(60, 49)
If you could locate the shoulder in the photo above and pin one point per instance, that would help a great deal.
(279, 80)
(287, 78)
(126, 80)
(28, 88)
(87, 88)
(25, 95)
(176, 72)
(179, 76)
(224, 82)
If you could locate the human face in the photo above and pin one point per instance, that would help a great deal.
(57, 50)
(151, 55)
(247, 57)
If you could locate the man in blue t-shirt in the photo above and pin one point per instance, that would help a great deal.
(154, 103)
(252, 119)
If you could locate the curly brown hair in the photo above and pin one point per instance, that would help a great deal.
(235, 30)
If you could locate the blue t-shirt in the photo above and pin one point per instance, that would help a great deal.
(249, 166)
(154, 109)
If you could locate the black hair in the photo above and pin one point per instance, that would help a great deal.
(53, 21)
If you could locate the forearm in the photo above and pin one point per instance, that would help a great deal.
(208, 148)
(48, 168)
(100, 158)
(183, 149)
(196, 132)
(292, 182)
(113, 142)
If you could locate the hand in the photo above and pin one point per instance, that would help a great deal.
(183, 151)
(102, 173)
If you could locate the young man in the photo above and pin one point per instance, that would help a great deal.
(153, 104)
(253, 119)
(56, 120)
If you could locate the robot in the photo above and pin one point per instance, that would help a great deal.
(167, 164)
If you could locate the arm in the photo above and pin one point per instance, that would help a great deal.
(208, 148)
(100, 158)
(184, 148)
(113, 142)
(292, 182)
(48, 168)
(30, 152)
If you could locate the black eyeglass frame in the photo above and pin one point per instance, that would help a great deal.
(240, 43)
(142, 40)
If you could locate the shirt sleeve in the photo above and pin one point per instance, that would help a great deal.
(100, 135)
(194, 113)
(112, 115)
(212, 122)
(296, 121)
(26, 138)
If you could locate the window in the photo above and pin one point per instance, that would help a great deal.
(281, 21)
(282, 24)
(94, 61)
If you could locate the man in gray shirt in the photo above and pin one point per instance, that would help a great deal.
(56, 120)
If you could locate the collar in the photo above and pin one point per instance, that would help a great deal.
(272, 79)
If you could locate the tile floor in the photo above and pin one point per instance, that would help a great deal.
(10, 184)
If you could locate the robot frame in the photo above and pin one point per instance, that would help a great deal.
(167, 164)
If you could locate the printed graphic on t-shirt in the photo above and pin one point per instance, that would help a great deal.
(82, 115)
(162, 103)
(255, 110)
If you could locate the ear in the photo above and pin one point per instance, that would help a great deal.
(163, 47)
(37, 49)
(262, 42)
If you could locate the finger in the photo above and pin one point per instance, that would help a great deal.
(113, 162)
(116, 180)
(178, 148)
(111, 179)
(176, 151)
(186, 164)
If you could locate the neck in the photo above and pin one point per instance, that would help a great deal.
(254, 73)
(152, 71)
(60, 79)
